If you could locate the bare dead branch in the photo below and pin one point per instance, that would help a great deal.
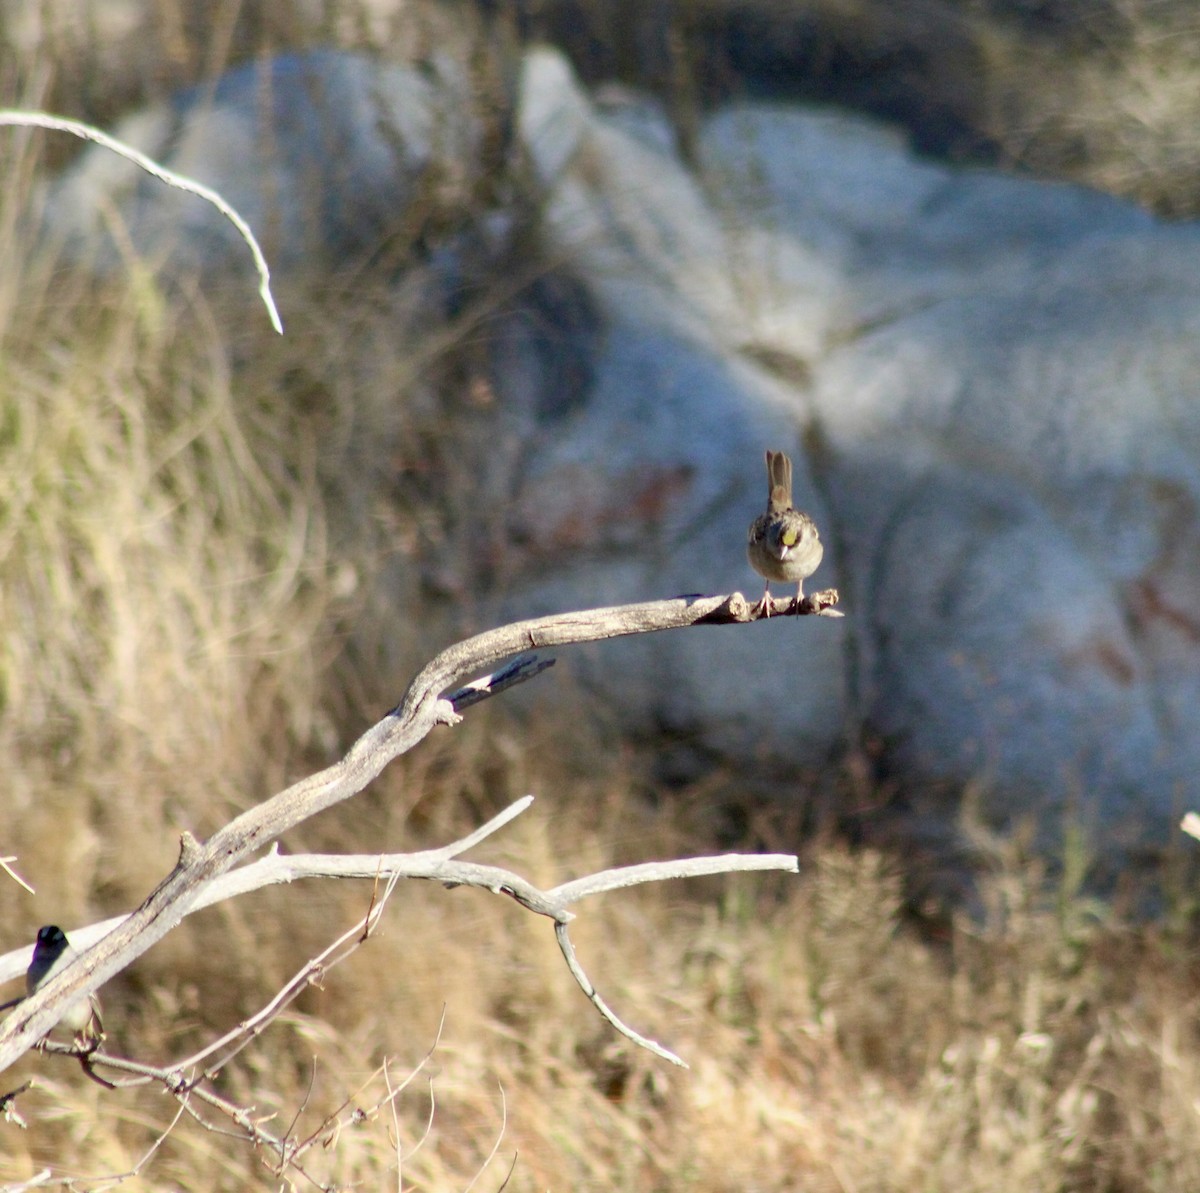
(437, 864)
(420, 711)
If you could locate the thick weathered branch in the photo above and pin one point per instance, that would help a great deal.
(422, 708)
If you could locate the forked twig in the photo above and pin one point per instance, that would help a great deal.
(202, 864)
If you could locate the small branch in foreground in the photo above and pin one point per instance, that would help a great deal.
(440, 865)
(273, 869)
(593, 996)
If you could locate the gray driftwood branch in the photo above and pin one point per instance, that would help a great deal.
(433, 698)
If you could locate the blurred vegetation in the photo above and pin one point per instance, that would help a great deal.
(1100, 92)
(205, 534)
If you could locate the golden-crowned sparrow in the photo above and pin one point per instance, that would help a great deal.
(52, 953)
(784, 544)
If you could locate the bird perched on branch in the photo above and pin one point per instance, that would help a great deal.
(51, 953)
(783, 544)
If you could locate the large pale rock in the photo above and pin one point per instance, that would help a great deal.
(998, 378)
(988, 386)
(1013, 434)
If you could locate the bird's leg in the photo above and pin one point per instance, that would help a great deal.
(799, 595)
(764, 605)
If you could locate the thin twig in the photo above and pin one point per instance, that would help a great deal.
(181, 182)
(4, 865)
(105, 1182)
(568, 952)
(690, 867)
(336, 1122)
(306, 976)
(495, 1146)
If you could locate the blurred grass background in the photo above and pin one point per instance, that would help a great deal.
(205, 532)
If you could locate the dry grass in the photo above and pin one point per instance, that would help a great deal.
(1110, 103)
(832, 1045)
(202, 539)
